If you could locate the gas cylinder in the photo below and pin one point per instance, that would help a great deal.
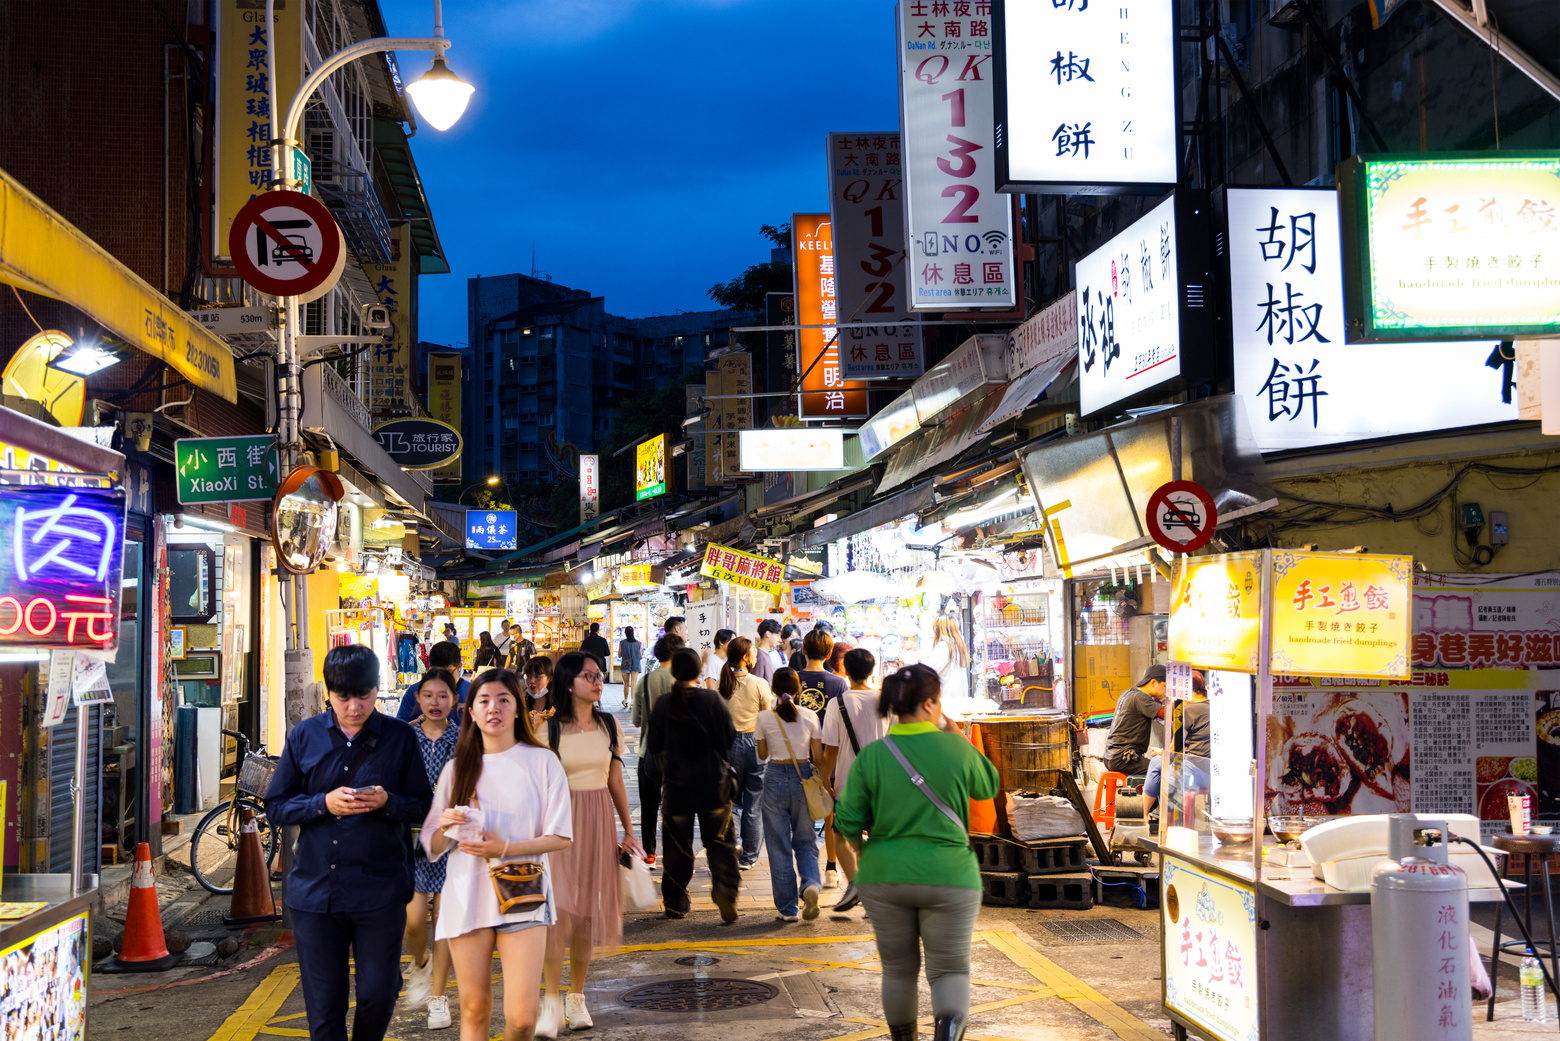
(1419, 937)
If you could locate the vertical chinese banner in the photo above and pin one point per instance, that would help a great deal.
(696, 455)
(714, 387)
(735, 408)
(245, 58)
(590, 487)
(866, 208)
(959, 228)
(444, 381)
(779, 368)
(390, 364)
(824, 392)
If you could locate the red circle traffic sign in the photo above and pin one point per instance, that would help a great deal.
(286, 243)
(1182, 516)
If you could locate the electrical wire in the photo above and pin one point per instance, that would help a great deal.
(1506, 896)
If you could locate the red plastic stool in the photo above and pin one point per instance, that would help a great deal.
(1105, 797)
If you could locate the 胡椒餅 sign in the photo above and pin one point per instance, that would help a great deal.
(60, 572)
(1302, 384)
(743, 569)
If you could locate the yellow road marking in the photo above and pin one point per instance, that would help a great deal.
(731, 944)
(251, 1017)
(1070, 988)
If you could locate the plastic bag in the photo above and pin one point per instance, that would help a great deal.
(638, 888)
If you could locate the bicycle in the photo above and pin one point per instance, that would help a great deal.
(214, 846)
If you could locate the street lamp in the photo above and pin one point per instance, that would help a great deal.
(491, 482)
(439, 94)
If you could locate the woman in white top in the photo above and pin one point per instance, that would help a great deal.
(850, 723)
(790, 734)
(951, 658)
(590, 891)
(518, 790)
(715, 661)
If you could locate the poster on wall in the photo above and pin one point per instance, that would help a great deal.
(1337, 750)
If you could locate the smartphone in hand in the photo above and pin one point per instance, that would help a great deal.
(370, 790)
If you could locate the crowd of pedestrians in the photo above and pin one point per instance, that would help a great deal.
(498, 806)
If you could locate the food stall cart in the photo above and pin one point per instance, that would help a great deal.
(62, 509)
(1252, 948)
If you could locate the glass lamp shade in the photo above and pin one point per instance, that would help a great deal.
(440, 95)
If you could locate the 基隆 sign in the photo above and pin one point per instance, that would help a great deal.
(1303, 385)
(1451, 246)
(1143, 309)
(1086, 96)
(60, 573)
(490, 529)
(225, 469)
(959, 227)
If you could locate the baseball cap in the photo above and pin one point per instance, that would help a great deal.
(1153, 672)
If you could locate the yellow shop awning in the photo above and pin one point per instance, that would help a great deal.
(43, 253)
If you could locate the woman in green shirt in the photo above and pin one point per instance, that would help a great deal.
(918, 877)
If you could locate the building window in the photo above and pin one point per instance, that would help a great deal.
(489, 412)
(487, 441)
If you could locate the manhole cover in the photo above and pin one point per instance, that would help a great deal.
(698, 960)
(204, 916)
(1091, 930)
(703, 995)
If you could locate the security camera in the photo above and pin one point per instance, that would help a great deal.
(376, 316)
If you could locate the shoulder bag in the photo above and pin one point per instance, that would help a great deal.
(819, 802)
(926, 790)
(519, 885)
(850, 731)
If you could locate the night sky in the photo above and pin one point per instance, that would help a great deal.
(639, 143)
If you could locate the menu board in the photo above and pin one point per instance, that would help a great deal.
(1209, 925)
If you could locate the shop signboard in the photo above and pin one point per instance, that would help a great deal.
(60, 575)
(650, 468)
(1304, 385)
(1451, 246)
(490, 529)
(390, 364)
(889, 427)
(958, 226)
(735, 411)
(632, 576)
(1209, 923)
(444, 379)
(418, 443)
(1086, 96)
(1341, 614)
(793, 448)
(1144, 317)
(1229, 727)
(743, 569)
(825, 393)
(697, 454)
(590, 488)
(1216, 612)
(225, 469)
(973, 364)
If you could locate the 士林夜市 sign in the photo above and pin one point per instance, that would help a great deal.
(60, 574)
(418, 443)
(1451, 246)
(225, 469)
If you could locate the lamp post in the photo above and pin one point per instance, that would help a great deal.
(491, 482)
(440, 97)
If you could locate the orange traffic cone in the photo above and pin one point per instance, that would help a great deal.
(143, 949)
(252, 900)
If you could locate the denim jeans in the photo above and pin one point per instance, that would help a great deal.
(750, 790)
(788, 832)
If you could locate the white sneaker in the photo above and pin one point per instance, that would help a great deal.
(419, 984)
(576, 1013)
(831, 879)
(438, 1013)
(549, 1018)
(810, 903)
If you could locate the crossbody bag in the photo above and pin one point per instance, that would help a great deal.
(850, 731)
(819, 802)
(519, 885)
(926, 789)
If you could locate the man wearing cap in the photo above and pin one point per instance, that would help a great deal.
(1133, 726)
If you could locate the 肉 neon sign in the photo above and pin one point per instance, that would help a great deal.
(60, 566)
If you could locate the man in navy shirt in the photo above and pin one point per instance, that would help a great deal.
(352, 780)
(442, 655)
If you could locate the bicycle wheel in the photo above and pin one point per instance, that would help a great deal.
(214, 847)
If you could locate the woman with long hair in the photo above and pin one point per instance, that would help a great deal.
(436, 736)
(631, 655)
(589, 891)
(746, 696)
(689, 739)
(788, 736)
(917, 875)
(950, 659)
(507, 784)
(488, 654)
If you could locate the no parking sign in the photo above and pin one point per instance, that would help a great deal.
(286, 243)
(1181, 516)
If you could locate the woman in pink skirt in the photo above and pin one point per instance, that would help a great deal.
(586, 882)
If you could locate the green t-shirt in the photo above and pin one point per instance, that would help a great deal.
(911, 841)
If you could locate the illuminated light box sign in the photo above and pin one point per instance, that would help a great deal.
(1144, 316)
(1302, 384)
(650, 468)
(889, 427)
(490, 529)
(1085, 96)
(1451, 246)
(766, 451)
(60, 570)
(743, 569)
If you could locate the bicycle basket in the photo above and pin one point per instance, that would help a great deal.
(255, 775)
